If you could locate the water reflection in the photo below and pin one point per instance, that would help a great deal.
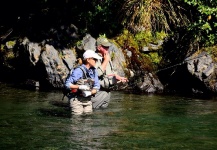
(84, 132)
(41, 120)
(90, 131)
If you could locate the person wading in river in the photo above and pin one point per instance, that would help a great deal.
(106, 71)
(85, 93)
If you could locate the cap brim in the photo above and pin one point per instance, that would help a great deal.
(96, 56)
(106, 44)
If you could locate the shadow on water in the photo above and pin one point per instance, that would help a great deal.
(62, 109)
(41, 120)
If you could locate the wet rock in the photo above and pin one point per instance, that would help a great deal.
(203, 68)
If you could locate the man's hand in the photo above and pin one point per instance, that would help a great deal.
(106, 57)
(93, 91)
(121, 79)
(86, 93)
(83, 87)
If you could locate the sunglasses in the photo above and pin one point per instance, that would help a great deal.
(105, 47)
(94, 59)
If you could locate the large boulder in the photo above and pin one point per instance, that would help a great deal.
(203, 68)
(196, 75)
(56, 70)
(54, 64)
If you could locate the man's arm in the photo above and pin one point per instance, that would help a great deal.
(76, 74)
(106, 59)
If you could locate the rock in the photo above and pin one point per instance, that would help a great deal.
(32, 84)
(55, 68)
(203, 68)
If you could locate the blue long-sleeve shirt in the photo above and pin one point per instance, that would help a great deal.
(78, 74)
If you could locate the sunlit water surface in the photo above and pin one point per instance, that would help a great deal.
(41, 120)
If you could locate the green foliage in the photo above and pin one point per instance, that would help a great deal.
(10, 44)
(2, 47)
(155, 58)
(143, 38)
(138, 41)
(126, 39)
(160, 35)
(157, 15)
(102, 35)
(109, 17)
(100, 17)
(204, 24)
(212, 51)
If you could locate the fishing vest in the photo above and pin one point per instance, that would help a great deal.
(106, 81)
(85, 80)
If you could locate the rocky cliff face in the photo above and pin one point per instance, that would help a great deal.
(52, 65)
(44, 66)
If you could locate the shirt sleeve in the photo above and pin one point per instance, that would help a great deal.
(74, 77)
(113, 69)
(110, 69)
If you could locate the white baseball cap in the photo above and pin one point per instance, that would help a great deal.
(91, 54)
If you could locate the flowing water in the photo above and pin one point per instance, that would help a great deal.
(39, 120)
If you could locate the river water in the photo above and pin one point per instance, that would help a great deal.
(33, 120)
